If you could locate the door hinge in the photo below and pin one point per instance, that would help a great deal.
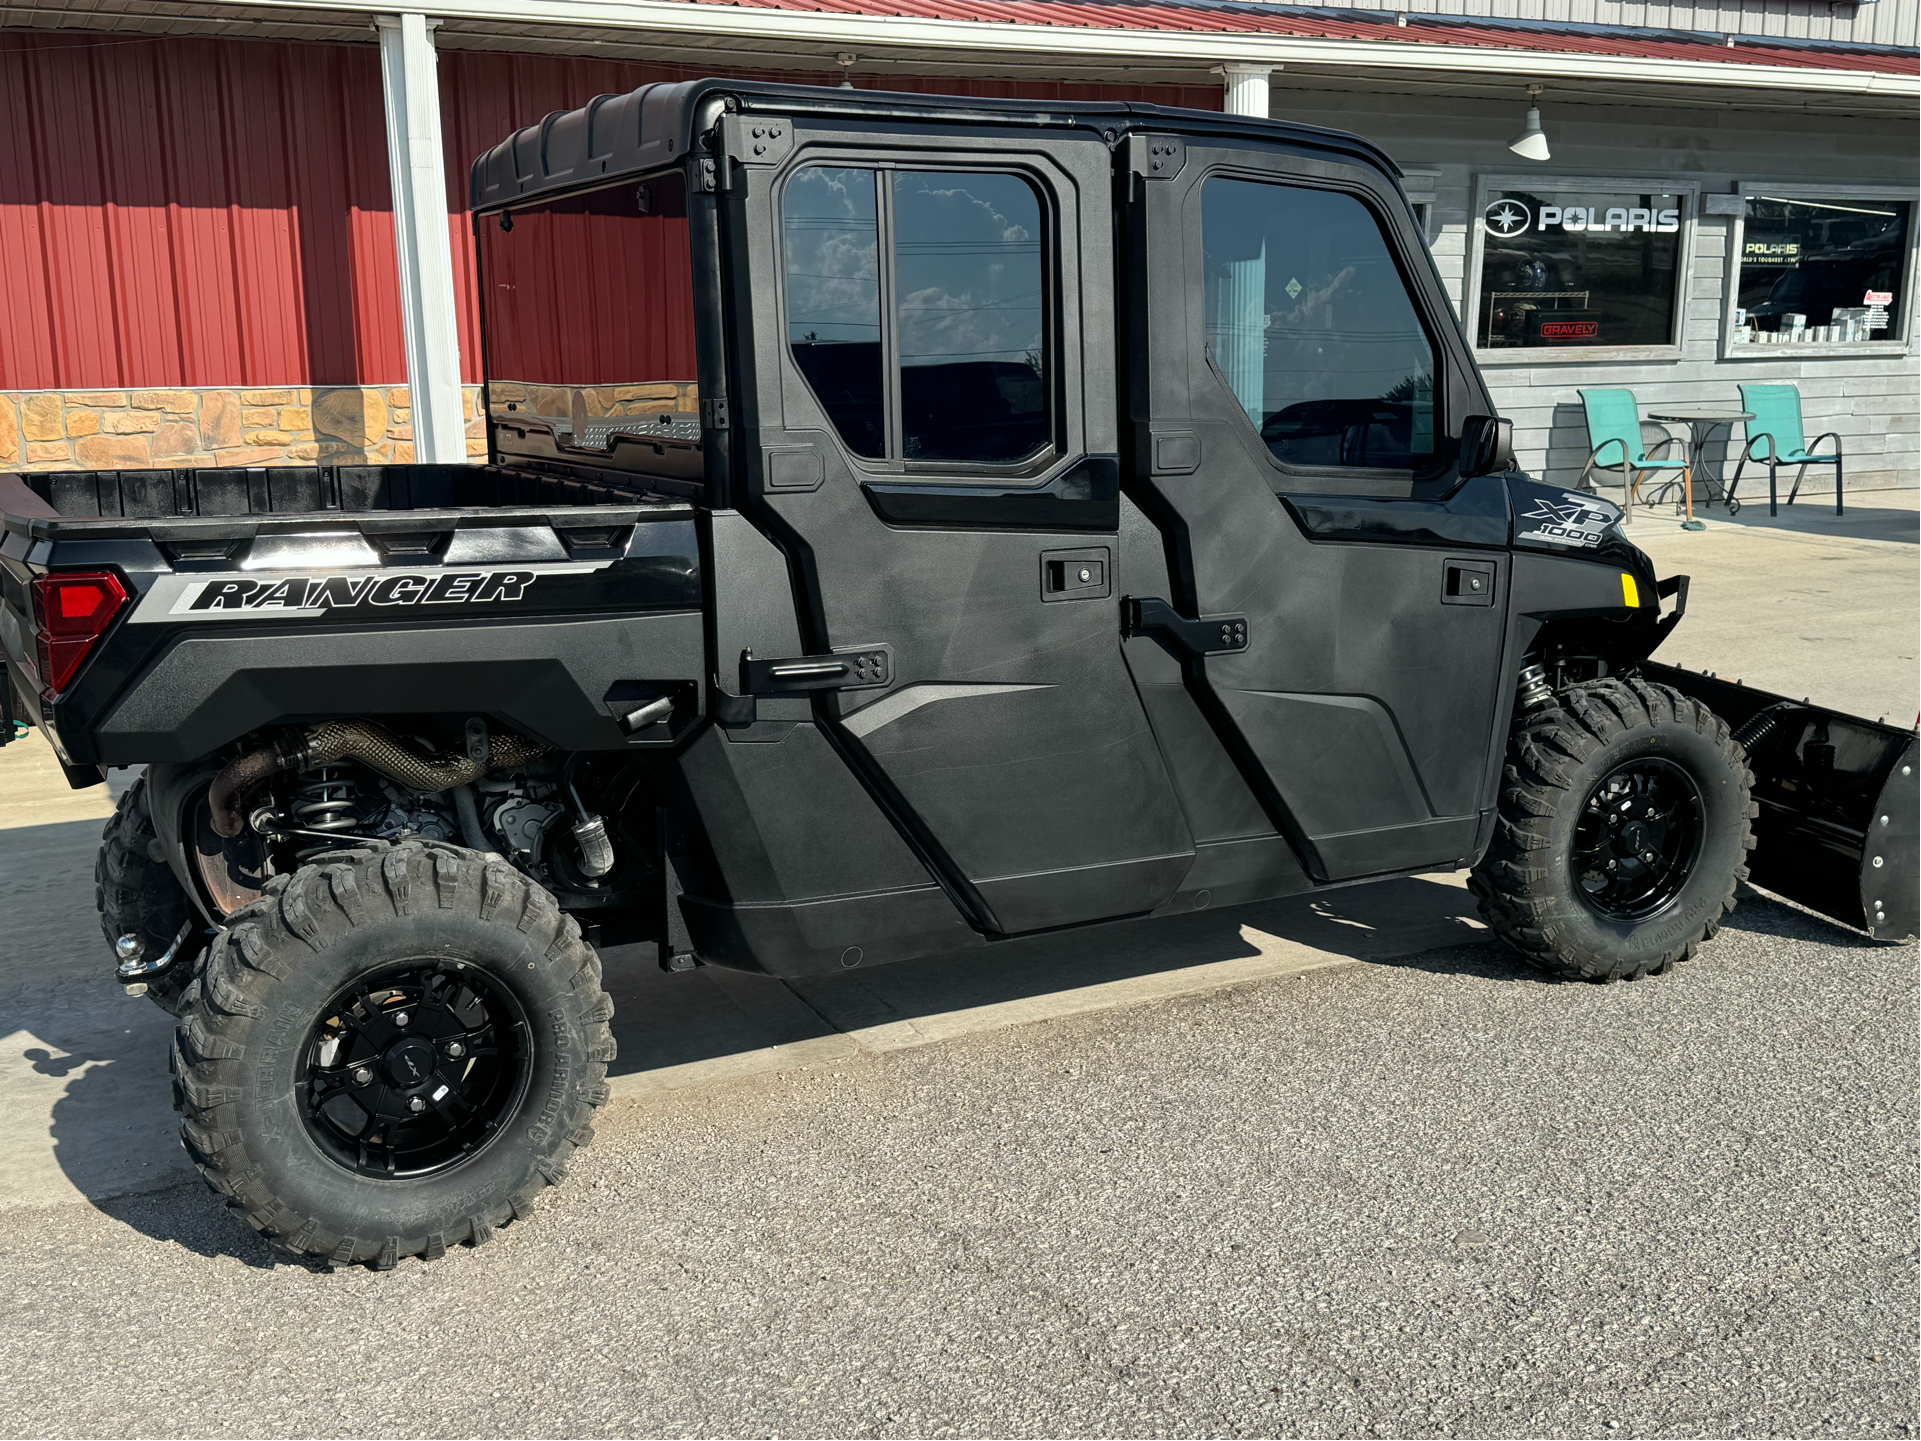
(1156, 157)
(858, 668)
(756, 139)
(1210, 635)
(713, 413)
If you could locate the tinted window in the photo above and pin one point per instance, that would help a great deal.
(831, 231)
(1310, 323)
(589, 310)
(1829, 271)
(969, 306)
(1578, 267)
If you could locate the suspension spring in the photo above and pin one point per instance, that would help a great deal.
(1535, 691)
(324, 802)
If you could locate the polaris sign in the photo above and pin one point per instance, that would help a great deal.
(1509, 218)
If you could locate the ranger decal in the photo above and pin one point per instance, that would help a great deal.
(221, 597)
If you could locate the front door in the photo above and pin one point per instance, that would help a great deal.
(1296, 405)
(928, 410)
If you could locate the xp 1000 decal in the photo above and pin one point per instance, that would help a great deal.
(1561, 517)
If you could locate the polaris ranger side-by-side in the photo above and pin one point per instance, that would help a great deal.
(908, 523)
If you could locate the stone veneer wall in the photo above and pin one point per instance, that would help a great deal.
(285, 425)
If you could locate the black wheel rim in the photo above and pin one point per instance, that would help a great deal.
(414, 1069)
(1637, 840)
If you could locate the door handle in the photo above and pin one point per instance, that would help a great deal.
(859, 668)
(1210, 635)
(1467, 582)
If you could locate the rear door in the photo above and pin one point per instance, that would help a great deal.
(926, 396)
(1297, 392)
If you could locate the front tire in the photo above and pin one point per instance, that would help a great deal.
(392, 1052)
(1623, 828)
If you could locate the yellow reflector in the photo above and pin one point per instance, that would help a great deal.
(1630, 592)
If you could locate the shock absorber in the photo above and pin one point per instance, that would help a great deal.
(1535, 691)
(324, 802)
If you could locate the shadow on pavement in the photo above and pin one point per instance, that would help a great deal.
(84, 1097)
(664, 1021)
(1812, 514)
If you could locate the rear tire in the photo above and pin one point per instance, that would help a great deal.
(136, 894)
(335, 995)
(1562, 886)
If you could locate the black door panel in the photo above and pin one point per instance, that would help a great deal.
(1009, 741)
(1347, 768)
(1359, 709)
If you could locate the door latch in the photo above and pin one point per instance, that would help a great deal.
(861, 668)
(1468, 582)
(1210, 635)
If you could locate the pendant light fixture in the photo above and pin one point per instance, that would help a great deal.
(1531, 144)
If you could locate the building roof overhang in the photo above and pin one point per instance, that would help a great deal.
(1137, 41)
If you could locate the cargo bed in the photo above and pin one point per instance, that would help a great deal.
(164, 505)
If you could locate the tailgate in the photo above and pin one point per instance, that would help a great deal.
(553, 622)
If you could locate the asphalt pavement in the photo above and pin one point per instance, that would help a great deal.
(1438, 1196)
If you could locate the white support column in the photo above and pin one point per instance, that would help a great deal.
(1246, 87)
(407, 74)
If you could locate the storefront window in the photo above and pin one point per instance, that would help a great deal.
(1821, 271)
(1579, 267)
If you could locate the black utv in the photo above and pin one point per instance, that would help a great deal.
(908, 523)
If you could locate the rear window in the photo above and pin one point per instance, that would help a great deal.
(588, 316)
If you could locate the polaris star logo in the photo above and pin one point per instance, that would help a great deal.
(280, 596)
(1506, 217)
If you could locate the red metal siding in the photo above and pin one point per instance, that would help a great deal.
(187, 213)
(218, 212)
(485, 96)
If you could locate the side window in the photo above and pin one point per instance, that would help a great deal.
(830, 225)
(1310, 323)
(917, 311)
(967, 282)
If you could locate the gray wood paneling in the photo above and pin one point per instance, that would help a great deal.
(1871, 402)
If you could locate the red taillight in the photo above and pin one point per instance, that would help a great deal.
(70, 612)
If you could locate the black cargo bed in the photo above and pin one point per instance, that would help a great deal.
(234, 503)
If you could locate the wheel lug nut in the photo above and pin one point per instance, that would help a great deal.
(416, 1104)
(456, 1050)
(362, 1076)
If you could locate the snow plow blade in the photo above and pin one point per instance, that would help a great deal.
(1839, 798)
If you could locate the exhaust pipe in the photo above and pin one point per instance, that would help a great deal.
(372, 745)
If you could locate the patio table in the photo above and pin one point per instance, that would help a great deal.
(1702, 421)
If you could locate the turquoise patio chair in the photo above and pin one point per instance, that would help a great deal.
(1776, 433)
(1614, 424)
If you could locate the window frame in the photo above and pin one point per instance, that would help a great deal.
(1374, 204)
(1899, 344)
(1488, 182)
(894, 464)
(546, 200)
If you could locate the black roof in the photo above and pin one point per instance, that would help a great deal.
(616, 135)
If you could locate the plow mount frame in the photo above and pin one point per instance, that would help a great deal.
(1839, 829)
